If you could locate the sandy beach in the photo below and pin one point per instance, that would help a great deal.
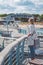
(37, 26)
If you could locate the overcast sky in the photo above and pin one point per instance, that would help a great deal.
(21, 6)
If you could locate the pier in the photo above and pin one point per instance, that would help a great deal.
(15, 50)
(15, 53)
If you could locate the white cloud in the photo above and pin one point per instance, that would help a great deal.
(21, 8)
(37, 2)
(9, 2)
(4, 11)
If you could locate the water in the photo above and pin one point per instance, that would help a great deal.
(38, 30)
(24, 31)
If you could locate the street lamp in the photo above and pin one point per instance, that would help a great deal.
(7, 19)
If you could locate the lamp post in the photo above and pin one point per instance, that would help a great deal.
(7, 19)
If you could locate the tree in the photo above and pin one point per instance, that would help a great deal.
(3, 15)
(41, 17)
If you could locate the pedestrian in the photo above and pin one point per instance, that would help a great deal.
(31, 37)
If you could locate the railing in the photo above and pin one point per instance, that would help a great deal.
(4, 41)
(41, 40)
(13, 54)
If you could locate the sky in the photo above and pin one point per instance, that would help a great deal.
(21, 6)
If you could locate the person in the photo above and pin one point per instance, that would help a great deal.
(31, 37)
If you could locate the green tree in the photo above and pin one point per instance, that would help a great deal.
(41, 17)
(3, 15)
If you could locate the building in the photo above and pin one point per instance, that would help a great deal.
(14, 18)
